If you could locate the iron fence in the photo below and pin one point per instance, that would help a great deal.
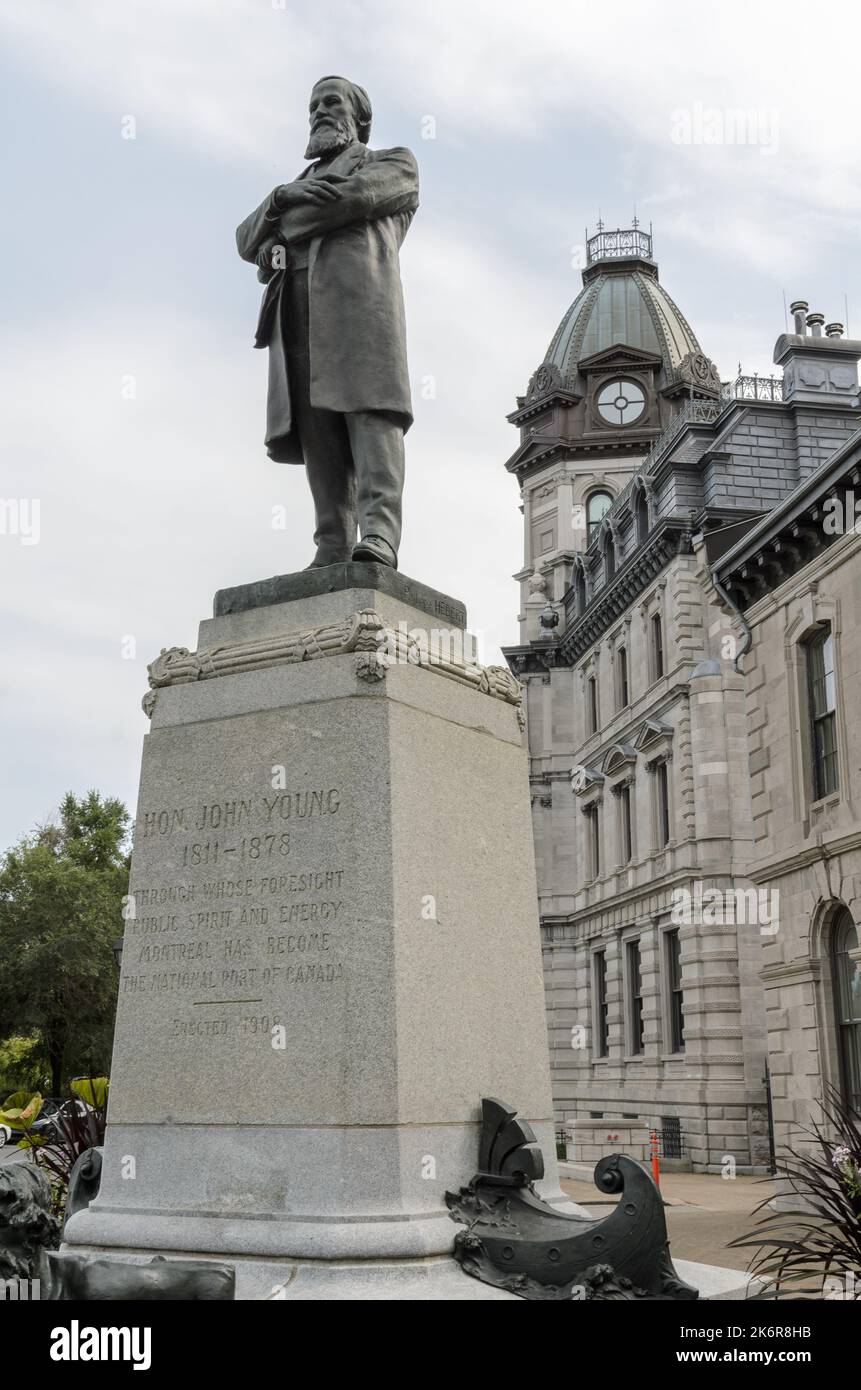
(670, 1138)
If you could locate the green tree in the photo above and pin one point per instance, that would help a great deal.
(23, 1066)
(61, 892)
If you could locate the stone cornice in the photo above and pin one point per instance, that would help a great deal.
(523, 467)
(779, 865)
(795, 971)
(537, 404)
(629, 900)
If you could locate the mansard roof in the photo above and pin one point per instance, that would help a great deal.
(781, 542)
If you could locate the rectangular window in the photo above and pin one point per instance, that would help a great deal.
(635, 999)
(663, 805)
(674, 983)
(625, 836)
(823, 714)
(592, 702)
(602, 1011)
(657, 647)
(622, 677)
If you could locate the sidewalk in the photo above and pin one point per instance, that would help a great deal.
(704, 1211)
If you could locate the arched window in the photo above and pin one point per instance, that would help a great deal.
(847, 1006)
(597, 506)
(641, 516)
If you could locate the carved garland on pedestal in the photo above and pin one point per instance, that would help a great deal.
(377, 647)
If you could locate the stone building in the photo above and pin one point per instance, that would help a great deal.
(793, 586)
(631, 451)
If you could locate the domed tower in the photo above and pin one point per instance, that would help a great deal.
(620, 365)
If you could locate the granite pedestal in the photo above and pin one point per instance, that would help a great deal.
(335, 948)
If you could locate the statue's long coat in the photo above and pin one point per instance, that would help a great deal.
(357, 331)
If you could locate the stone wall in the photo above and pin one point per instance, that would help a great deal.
(807, 851)
(693, 718)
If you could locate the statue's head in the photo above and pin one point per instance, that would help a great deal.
(339, 113)
(26, 1222)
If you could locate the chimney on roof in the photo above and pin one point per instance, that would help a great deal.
(798, 308)
(817, 366)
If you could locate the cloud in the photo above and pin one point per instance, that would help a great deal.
(140, 435)
(232, 79)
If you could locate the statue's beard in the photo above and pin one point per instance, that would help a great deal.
(328, 138)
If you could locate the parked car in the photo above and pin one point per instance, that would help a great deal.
(44, 1124)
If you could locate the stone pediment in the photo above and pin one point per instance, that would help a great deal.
(585, 780)
(537, 448)
(618, 759)
(654, 739)
(620, 358)
(529, 407)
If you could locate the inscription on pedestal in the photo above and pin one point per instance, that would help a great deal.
(246, 921)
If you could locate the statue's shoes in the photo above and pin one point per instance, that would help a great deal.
(374, 550)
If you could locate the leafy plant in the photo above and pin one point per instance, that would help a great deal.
(92, 1089)
(77, 1126)
(20, 1110)
(795, 1251)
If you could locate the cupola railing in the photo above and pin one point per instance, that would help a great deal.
(623, 242)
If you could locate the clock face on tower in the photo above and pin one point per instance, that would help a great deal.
(621, 402)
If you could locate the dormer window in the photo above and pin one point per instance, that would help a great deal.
(621, 402)
(598, 505)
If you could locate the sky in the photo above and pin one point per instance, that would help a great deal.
(133, 479)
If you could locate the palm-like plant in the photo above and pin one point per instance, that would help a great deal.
(802, 1248)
